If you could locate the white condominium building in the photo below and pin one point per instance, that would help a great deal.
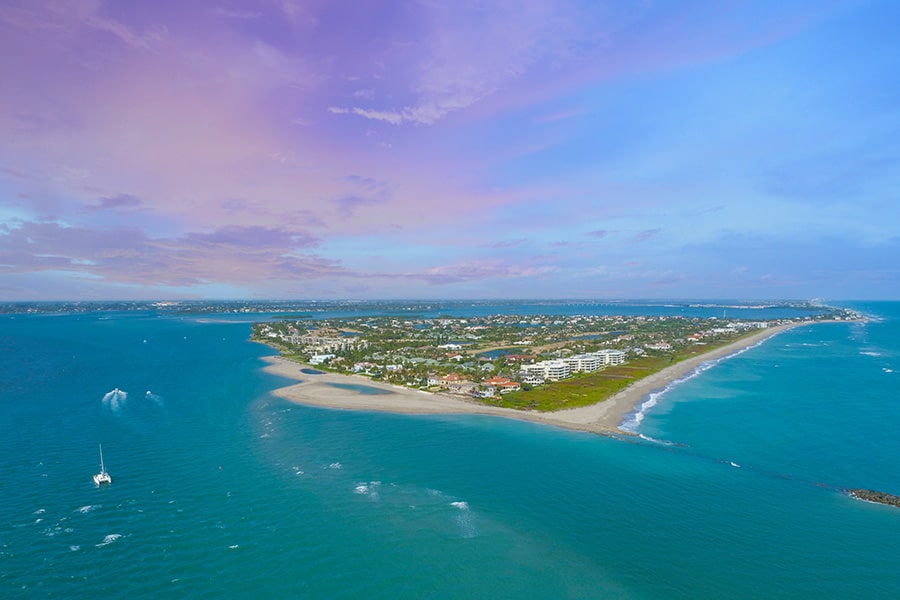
(583, 362)
(552, 370)
(610, 357)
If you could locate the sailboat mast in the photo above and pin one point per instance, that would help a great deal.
(102, 469)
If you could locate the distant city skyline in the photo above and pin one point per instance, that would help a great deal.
(426, 149)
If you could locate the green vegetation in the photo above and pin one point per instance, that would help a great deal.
(585, 389)
(421, 352)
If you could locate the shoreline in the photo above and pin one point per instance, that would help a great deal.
(603, 418)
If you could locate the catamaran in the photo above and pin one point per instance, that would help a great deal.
(102, 476)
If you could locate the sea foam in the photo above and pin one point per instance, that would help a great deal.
(109, 539)
(632, 420)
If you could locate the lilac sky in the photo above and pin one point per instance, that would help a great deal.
(449, 149)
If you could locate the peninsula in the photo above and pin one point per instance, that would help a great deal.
(585, 372)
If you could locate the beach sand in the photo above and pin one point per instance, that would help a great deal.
(603, 417)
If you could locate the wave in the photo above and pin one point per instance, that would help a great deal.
(369, 489)
(465, 520)
(109, 539)
(632, 420)
(653, 440)
(88, 508)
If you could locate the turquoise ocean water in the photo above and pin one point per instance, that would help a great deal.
(221, 490)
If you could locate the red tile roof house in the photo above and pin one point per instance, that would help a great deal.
(518, 358)
(455, 384)
(503, 384)
(509, 386)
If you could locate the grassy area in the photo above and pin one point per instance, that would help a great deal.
(585, 389)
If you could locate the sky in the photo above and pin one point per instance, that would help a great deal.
(293, 149)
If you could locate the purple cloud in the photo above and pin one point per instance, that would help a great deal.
(474, 134)
(232, 254)
(117, 202)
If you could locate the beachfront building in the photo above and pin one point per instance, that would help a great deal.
(455, 384)
(532, 379)
(549, 370)
(665, 346)
(502, 384)
(582, 363)
(318, 359)
(325, 341)
(610, 358)
(585, 363)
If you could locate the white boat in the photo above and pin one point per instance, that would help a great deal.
(102, 476)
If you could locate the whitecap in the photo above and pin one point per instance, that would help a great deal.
(465, 519)
(653, 440)
(74, 548)
(39, 511)
(335, 465)
(233, 546)
(86, 509)
(109, 539)
(369, 489)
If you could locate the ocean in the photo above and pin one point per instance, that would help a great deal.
(734, 488)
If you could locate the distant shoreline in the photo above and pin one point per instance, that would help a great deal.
(603, 418)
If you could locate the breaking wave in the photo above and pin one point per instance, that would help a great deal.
(109, 539)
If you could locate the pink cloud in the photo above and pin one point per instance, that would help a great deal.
(233, 254)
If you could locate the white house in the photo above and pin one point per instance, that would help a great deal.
(318, 359)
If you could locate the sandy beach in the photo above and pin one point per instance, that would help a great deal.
(331, 390)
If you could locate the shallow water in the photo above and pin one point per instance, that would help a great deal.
(223, 490)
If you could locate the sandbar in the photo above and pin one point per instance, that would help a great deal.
(333, 390)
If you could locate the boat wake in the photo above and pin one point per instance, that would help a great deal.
(115, 399)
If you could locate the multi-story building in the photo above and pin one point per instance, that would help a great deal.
(551, 370)
(320, 341)
(610, 357)
(584, 363)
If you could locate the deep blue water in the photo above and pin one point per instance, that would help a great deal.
(222, 490)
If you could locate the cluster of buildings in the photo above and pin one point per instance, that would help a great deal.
(326, 342)
(554, 370)
(533, 374)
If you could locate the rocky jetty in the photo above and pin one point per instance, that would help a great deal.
(875, 496)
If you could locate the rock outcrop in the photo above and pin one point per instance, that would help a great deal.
(875, 496)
